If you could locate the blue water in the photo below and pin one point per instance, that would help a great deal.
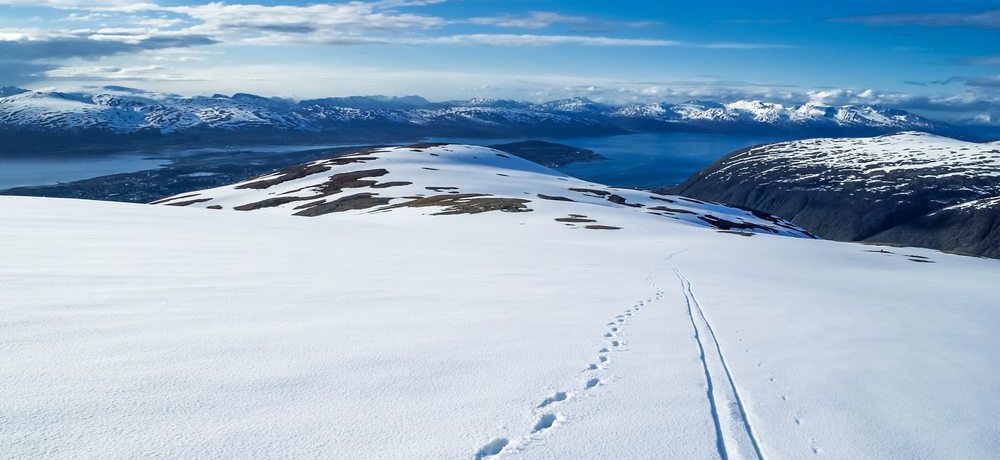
(25, 170)
(17, 171)
(645, 160)
(634, 160)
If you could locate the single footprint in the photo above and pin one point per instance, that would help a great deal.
(556, 397)
(545, 422)
(492, 448)
(592, 383)
(609, 334)
(602, 359)
(615, 343)
(614, 329)
(593, 367)
(603, 350)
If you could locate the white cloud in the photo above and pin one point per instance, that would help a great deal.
(546, 19)
(353, 17)
(346, 23)
(538, 40)
(985, 20)
(533, 20)
(114, 73)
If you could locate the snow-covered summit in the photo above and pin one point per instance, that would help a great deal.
(811, 116)
(879, 163)
(448, 179)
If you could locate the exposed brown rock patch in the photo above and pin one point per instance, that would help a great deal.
(189, 202)
(554, 197)
(348, 203)
(286, 175)
(465, 203)
(391, 184)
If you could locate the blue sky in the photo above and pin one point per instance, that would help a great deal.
(940, 58)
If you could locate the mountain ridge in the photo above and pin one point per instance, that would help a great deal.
(908, 188)
(38, 118)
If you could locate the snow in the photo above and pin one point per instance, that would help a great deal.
(136, 331)
(809, 115)
(872, 160)
(464, 169)
(126, 110)
(985, 203)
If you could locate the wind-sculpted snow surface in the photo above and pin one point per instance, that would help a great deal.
(443, 179)
(866, 188)
(446, 310)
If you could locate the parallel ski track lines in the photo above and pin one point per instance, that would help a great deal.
(733, 432)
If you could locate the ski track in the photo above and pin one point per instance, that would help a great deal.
(735, 438)
(550, 413)
(734, 435)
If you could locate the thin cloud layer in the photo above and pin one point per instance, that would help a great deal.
(411, 45)
(26, 55)
(985, 20)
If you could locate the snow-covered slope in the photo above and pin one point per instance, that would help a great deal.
(119, 110)
(441, 179)
(858, 188)
(137, 331)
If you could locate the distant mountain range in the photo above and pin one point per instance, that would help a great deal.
(119, 116)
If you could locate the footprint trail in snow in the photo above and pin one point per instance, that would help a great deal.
(547, 416)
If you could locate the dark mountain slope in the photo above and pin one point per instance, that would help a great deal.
(891, 189)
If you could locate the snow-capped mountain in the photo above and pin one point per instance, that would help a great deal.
(762, 116)
(131, 112)
(883, 189)
(445, 301)
(445, 179)
(116, 110)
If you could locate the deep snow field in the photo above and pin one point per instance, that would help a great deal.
(137, 331)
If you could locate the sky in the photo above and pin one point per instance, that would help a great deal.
(939, 58)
